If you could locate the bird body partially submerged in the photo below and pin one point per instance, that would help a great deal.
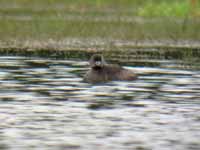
(102, 72)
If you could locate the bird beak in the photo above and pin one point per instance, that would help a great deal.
(97, 63)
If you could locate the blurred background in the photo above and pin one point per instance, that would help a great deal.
(68, 24)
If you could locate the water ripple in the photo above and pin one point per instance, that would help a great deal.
(44, 104)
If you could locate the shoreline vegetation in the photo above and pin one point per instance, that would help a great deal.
(98, 25)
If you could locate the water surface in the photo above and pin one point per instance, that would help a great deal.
(44, 104)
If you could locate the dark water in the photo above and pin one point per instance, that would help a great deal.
(45, 105)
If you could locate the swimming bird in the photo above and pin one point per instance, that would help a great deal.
(101, 72)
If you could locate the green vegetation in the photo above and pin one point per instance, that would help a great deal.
(170, 8)
(151, 8)
(42, 24)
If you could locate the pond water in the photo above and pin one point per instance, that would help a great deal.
(44, 104)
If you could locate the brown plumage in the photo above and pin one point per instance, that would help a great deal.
(102, 72)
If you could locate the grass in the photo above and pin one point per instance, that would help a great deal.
(168, 9)
(42, 28)
(42, 24)
(151, 8)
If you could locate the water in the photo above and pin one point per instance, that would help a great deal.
(44, 104)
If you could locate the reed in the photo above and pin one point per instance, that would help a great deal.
(22, 21)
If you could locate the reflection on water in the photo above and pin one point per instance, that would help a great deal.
(44, 104)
